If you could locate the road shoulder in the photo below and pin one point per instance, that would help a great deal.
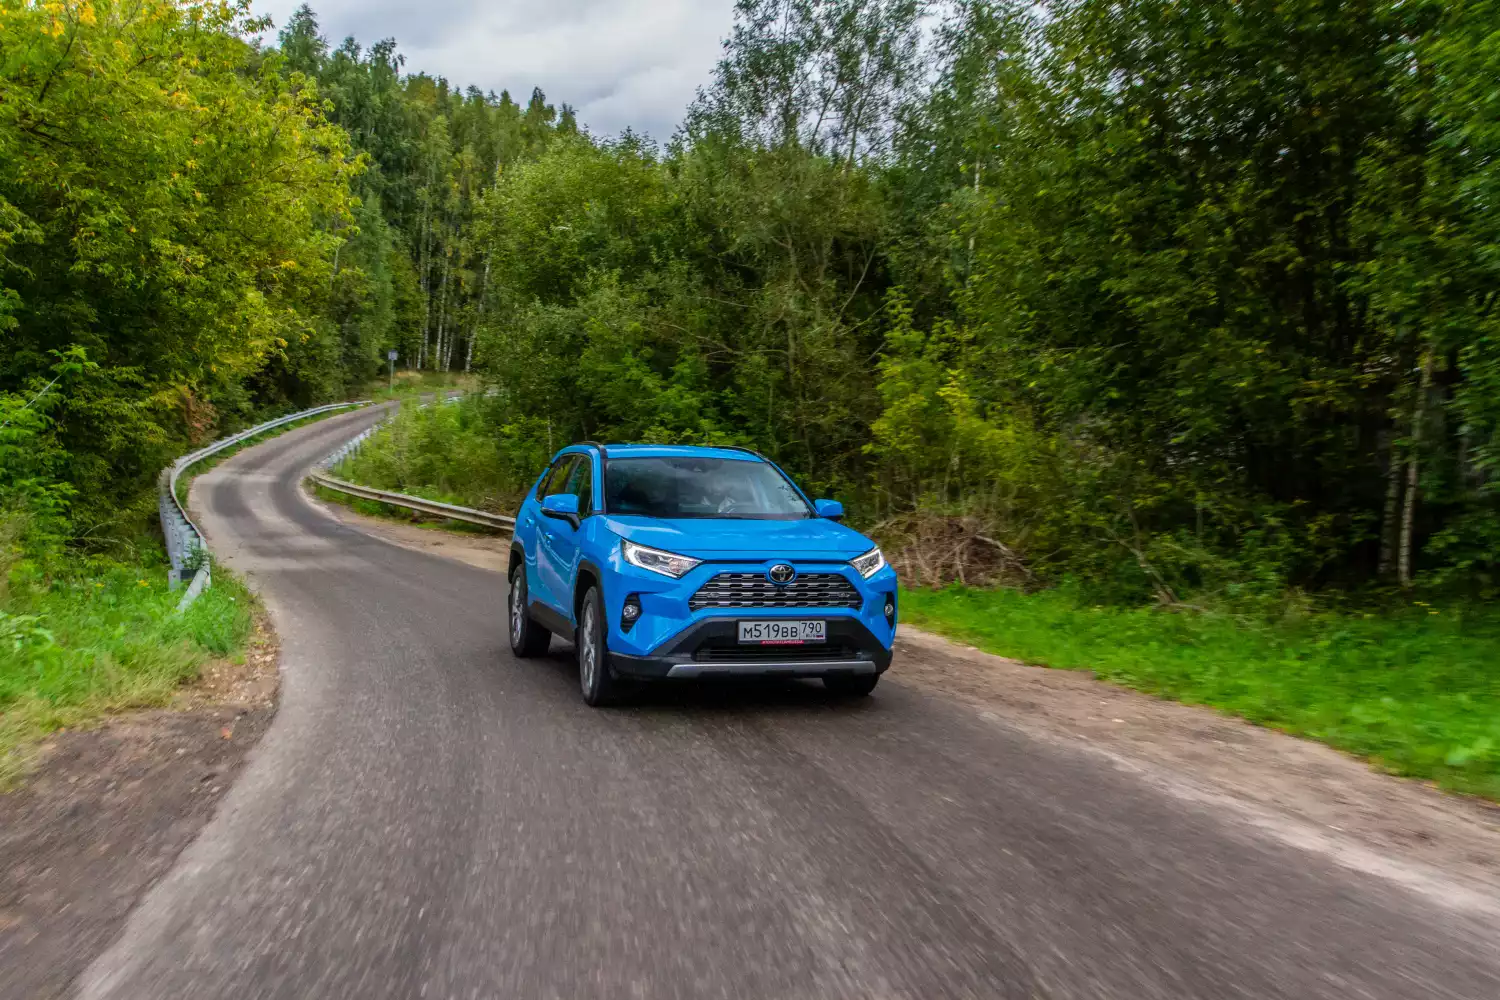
(1304, 793)
(106, 811)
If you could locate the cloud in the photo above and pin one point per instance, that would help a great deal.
(634, 63)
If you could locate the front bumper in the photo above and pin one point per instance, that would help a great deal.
(709, 649)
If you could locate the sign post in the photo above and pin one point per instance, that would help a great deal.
(391, 357)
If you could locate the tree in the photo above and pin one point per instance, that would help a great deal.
(167, 204)
(822, 75)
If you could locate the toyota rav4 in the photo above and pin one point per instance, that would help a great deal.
(673, 562)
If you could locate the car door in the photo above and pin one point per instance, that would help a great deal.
(561, 550)
(534, 525)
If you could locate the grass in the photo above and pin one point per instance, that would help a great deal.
(414, 383)
(104, 638)
(451, 454)
(1415, 691)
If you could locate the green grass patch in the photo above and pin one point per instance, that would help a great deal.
(104, 638)
(1415, 690)
(413, 383)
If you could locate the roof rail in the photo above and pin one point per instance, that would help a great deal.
(738, 447)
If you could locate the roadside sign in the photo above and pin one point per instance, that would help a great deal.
(390, 355)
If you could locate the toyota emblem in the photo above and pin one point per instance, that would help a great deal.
(781, 573)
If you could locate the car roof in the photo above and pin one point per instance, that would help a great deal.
(614, 451)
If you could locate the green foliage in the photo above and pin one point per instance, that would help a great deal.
(414, 278)
(706, 295)
(1172, 299)
(166, 204)
(1231, 264)
(820, 75)
(101, 636)
(453, 453)
(1416, 691)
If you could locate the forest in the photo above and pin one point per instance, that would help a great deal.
(1158, 303)
(1161, 298)
(1165, 296)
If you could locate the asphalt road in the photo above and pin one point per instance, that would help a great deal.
(429, 817)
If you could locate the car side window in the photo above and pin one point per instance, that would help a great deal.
(554, 482)
(581, 485)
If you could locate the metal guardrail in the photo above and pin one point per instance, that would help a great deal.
(403, 500)
(321, 476)
(187, 550)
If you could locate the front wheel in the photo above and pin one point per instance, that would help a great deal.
(851, 685)
(594, 679)
(527, 638)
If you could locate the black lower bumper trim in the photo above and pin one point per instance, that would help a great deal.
(685, 656)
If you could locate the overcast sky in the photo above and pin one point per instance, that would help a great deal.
(621, 63)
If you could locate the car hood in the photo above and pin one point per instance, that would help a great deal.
(733, 538)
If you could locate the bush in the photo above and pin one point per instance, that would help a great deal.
(454, 453)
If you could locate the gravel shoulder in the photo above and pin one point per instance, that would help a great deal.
(106, 812)
(1309, 795)
(1301, 792)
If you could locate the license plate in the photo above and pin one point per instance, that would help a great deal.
(782, 633)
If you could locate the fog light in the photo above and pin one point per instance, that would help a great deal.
(890, 610)
(630, 613)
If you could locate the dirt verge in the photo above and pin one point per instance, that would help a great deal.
(107, 810)
(1304, 793)
(1307, 794)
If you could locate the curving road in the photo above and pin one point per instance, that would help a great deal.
(429, 817)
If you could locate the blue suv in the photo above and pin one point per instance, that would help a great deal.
(682, 562)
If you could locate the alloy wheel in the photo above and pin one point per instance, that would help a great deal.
(588, 649)
(517, 608)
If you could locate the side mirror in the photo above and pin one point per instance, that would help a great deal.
(563, 506)
(831, 509)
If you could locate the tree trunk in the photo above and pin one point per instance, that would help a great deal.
(1413, 472)
(977, 170)
(437, 358)
(1389, 525)
(424, 266)
(484, 284)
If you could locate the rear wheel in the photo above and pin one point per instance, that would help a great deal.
(594, 679)
(527, 638)
(851, 685)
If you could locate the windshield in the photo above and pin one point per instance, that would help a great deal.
(701, 487)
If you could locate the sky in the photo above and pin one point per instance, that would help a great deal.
(634, 63)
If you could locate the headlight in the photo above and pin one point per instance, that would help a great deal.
(666, 563)
(869, 564)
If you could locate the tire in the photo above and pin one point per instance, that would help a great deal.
(851, 685)
(598, 685)
(527, 638)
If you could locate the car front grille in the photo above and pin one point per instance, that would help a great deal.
(753, 590)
